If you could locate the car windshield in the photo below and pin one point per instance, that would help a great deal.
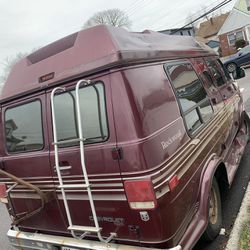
(244, 50)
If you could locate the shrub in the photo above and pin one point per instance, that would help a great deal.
(240, 44)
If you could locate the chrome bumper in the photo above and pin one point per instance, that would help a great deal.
(28, 241)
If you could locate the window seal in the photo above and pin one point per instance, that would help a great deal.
(70, 89)
(42, 123)
(183, 114)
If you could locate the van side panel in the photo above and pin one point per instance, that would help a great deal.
(149, 149)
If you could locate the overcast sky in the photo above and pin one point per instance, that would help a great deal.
(29, 24)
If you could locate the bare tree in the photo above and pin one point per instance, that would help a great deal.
(115, 17)
(8, 63)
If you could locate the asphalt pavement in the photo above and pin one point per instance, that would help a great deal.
(4, 226)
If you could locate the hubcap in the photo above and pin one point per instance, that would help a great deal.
(213, 207)
(231, 67)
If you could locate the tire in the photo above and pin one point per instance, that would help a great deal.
(214, 213)
(247, 124)
(231, 67)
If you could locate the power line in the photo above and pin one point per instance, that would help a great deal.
(164, 12)
(130, 7)
(140, 6)
(195, 14)
(205, 14)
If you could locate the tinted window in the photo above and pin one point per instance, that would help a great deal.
(216, 73)
(23, 127)
(228, 77)
(93, 114)
(191, 94)
(244, 50)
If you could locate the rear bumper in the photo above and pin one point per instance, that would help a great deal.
(28, 241)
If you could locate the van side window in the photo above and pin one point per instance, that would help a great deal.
(216, 73)
(93, 114)
(193, 99)
(23, 127)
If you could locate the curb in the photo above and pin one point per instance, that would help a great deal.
(242, 216)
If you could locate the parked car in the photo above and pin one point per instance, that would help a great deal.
(118, 140)
(241, 58)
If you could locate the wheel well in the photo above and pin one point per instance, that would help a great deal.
(232, 63)
(221, 177)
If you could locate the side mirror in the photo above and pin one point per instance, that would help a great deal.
(239, 73)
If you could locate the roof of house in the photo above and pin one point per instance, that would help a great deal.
(212, 26)
(236, 20)
(201, 39)
(94, 50)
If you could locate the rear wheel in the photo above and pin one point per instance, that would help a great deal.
(231, 67)
(214, 213)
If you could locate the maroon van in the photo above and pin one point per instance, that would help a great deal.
(118, 140)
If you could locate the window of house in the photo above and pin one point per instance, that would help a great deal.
(93, 115)
(239, 35)
(23, 127)
(215, 72)
(193, 99)
(233, 37)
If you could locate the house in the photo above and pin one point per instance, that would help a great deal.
(236, 27)
(208, 31)
(186, 31)
(210, 28)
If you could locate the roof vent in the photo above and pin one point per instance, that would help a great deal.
(52, 49)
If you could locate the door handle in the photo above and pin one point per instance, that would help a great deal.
(63, 168)
(63, 165)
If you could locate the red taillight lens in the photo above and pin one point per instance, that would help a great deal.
(173, 182)
(3, 193)
(140, 194)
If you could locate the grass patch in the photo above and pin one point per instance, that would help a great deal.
(244, 243)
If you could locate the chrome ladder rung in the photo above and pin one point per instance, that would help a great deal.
(68, 141)
(68, 186)
(85, 229)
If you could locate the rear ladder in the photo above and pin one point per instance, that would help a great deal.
(87, 186)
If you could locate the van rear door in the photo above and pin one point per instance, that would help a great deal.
(100, 157)
(26, 156)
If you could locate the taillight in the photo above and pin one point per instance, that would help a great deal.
(140, 194)
(173, 182)
(3, 193)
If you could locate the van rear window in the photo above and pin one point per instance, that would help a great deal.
(23, 127)
(192, 97)
(93, 114)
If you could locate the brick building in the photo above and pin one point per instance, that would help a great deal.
(236, 27)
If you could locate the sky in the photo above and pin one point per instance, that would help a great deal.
(29, 24)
